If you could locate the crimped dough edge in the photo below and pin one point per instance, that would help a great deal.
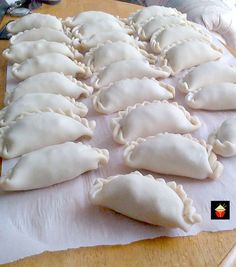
(225, 149)
(216, 166)
(164, 62)
(115, 126)
(189, 213)
(99, 107)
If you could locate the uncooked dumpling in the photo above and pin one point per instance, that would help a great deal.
(174, 154)
(146, 31)
(88, 17)
(51, 62)
(155, 117)
(126, 69)
(36, 130)
(207, 74)
(124, 93)
(213, 97)
(41, 102)
(146, 199)
(20, 52)
(189, 53)
(87, 30)
(49, 82)
(172, 34)
(224, 139)
(145, 14)
(103, 37)
(33, 21)
(103, 55)
(47, 34)
(44, 167)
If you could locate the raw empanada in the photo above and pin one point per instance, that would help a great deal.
(207, 74)
(213, 97)
(47, 34)
(128, 92)
(20, 52)
(146, 199)
(49, 82)
(224, 139)
(88, 17)
(167, 36)
(145, 14)
(189, 53)
(52, 165)
(175, 154)
(126, 69)
(36, 130)
(146, 31)
(49, 63)
(103, 55)
(150, 118)
(35, 20)
(41, 102)
(87, 30)
(103, 37)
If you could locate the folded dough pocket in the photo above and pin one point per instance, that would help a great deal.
(20, 52)
(156, 117)
(146, 199)
(224, 139)
(34, 21)
(44, 167)
(129, 68)
(175, 154)
(36, 130)
(49, 82)
(121, 94)
(51, 62)
(41, 102)
(47, 34)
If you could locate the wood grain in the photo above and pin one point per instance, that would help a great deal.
(205, 249)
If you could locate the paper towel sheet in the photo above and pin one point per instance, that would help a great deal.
(61, 216)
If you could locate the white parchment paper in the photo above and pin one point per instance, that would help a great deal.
(61, 216)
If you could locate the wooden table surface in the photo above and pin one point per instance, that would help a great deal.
(205, 249)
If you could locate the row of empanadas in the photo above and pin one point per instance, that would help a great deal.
(146, 199)
(36, 130)
(121, 94)
(150, 118)
(49, 82)
(44, 167)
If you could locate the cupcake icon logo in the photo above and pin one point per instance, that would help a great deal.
(220, 210)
